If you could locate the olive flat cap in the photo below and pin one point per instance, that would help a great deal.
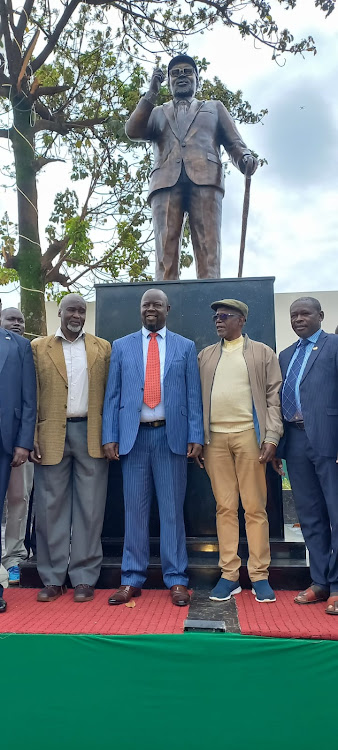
(182, 58)
(234, 303)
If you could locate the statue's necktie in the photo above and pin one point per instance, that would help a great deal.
(152, 383)
(289, 405)
(181, 111)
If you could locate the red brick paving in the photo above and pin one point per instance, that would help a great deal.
(284, 618)
(153, 613)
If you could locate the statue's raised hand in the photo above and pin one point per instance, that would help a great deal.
(157, 79)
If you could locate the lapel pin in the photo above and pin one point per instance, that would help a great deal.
(8, 337)
(315, 348)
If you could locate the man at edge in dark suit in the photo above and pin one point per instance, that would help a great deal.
(309, 398)
(17, 410)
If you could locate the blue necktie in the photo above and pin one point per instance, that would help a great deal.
(289, 405)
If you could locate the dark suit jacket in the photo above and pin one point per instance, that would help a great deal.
(208, 127)
(319, 395)
(17, 392)
(181, 393)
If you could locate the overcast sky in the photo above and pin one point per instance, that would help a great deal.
(293, 220)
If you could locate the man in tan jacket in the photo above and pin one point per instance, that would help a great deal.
(240, 380)
(71, 473)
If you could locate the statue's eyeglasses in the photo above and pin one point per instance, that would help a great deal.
(175, 72)
(223, 316)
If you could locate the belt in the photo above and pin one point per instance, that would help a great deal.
(157, 423)
(298, 425)
(77, 419)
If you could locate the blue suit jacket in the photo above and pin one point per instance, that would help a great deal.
(181, 392)
(318, 395)
(17, 392)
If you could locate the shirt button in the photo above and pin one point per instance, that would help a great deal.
(178, 161)
(183, 145)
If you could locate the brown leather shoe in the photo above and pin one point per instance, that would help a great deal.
(312, 595)
(180, 596)
(83, 593)
(124, 594)
(49, 593)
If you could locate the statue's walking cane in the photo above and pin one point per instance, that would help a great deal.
(246, 203)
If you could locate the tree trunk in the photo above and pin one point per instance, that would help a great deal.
(28, 259)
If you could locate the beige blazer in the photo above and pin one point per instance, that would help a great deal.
(52, 388)
(265, 381)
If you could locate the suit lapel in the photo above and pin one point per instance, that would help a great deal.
(194, 108)
(138, 353)
(91, 351)
(171, 344)
(5, 340)
(55, 352)
(169, 112)
(316, 349)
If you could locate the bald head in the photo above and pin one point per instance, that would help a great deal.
(72, 312)
(154, 309)
(13, 320)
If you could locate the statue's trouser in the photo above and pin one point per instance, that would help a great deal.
(169, 206)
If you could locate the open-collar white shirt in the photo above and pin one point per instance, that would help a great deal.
(75, 356)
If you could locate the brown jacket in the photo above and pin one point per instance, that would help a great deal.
(265, 382)
(52, 387)
(208, 126)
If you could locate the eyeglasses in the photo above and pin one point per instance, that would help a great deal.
(175, 72)
(223, 316)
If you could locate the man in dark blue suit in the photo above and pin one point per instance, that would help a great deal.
(152, 421)
(310, 444)
(17, 409)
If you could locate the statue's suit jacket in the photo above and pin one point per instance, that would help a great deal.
(52, 390)
(318, 394)
(208, 126)
(17, 392)
(181, 393)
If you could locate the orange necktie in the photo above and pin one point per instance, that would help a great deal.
(152, 383)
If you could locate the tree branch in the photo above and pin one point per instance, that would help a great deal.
(64, 127)
(49, 90)
(54, 37)
(41, 161)
(22, 22)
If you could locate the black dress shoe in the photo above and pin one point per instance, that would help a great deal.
(3, 605)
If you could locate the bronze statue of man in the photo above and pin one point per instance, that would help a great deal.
(187, 176)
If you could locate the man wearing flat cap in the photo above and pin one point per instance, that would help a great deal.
(240, 380)
(187, 175)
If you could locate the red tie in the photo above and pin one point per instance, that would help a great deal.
(152, 383)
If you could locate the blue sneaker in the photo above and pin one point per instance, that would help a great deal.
(224, 590)
(263, 592)
(13, 575)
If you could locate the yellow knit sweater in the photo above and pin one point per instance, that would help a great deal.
(231, 399)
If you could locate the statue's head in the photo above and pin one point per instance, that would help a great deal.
(182, 76)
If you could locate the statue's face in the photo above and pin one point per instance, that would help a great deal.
(182, 80)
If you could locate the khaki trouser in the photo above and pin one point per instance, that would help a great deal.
(231, 460)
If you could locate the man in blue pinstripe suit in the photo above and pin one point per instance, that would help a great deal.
(152, 435)
(310, 444)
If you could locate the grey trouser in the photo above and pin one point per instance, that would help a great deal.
(70, 500)
(18, 494)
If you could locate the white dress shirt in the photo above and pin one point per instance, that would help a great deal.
(148, 414)
(75, 356)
